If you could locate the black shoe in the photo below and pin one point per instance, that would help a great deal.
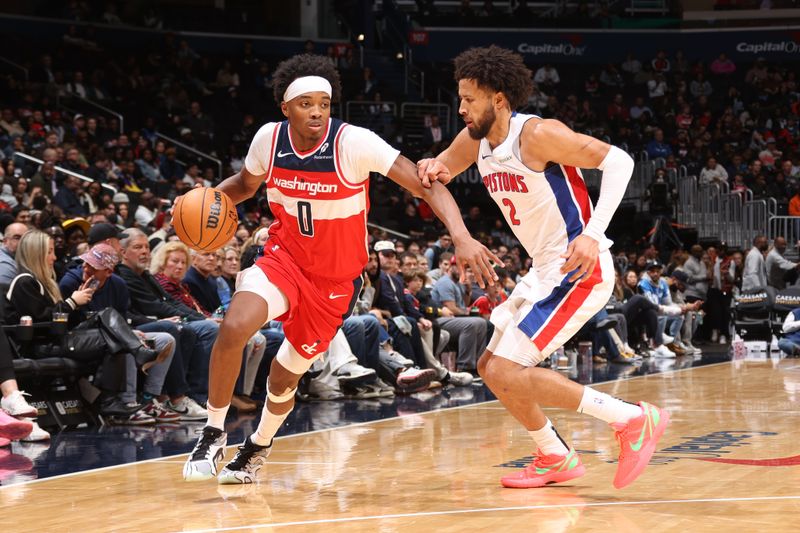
(245, 464)
(143, 354)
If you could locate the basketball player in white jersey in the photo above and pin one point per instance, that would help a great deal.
(530, 167)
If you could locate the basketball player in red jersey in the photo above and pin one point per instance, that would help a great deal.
(572, 275)
(316, 170)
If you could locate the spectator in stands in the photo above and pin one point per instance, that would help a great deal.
(13, 403)
(442, 268)
(8, 265)
(790, 341)
(698, 275)
(794, 203)
(639, 109)
(148, 209)
(434, 252)
(657, 88)
(197, 288)
(547, 76)
(68, 197)
(34, 293)
(470, 331)
(722, 66)
(713, 172)
(657, 147)
(660, 63)
(700, 86)
(780, 270)
(493, 297)
(754, 276)
(405, 323)
(433, 136)
(656, 290)
(149, 298)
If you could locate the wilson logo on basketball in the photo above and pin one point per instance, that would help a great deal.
(214, 211)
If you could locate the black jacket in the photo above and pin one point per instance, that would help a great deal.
(149, 298)
(28, 298)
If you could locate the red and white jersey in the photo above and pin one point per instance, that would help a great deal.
(546, 210)
(320, 198)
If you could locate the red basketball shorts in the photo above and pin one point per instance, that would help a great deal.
(317, 306)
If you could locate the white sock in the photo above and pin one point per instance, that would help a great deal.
(548, 440)
(269, 425)
(216, 416)
(607, 408)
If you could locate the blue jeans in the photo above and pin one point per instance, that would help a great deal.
(197, 369)
(363, 334)
(789, 347)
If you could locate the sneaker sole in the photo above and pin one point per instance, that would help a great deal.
(646, 454)
(558, 477)
(423, 379)
(194, 475)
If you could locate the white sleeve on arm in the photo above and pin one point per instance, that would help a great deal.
(259, 155)
(790, 324)
(361, 152)
(617, 168)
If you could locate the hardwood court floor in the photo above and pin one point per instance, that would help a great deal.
(439, 471)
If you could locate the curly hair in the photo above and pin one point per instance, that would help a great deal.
(497, 69)
(305, 65)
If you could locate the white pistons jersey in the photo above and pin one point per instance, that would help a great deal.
(545, 210)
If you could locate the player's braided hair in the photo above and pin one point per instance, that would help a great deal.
(497, 69)
(305, 65)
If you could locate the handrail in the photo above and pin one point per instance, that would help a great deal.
(387, 230)
(194, 151)
(103, 108)
(15, 65)
(66, 171)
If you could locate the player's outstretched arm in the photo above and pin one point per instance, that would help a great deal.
(550, 140)
(241, 185)
(458, 157)
(468, 251)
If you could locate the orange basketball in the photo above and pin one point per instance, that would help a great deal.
(205, 219)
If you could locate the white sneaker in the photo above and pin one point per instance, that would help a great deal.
(714, 335)
(690, 348)
(668, 339)
(321, 391)
(15, 405)
(460, 379)
(37, 434)
(415, 379)
(187, 408)
(202, 462)
(400, 358)
(663, 351)
(353, 373)
(723, 339)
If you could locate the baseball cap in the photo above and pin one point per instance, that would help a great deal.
(681, 276)
(385, 246)
(78, 221)
(652, 265)
(101, 232)
(101, 257)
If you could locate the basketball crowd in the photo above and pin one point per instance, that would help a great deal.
(140, 305)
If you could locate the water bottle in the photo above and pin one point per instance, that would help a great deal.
(219, 312)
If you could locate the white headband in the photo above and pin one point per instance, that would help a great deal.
(307, 84)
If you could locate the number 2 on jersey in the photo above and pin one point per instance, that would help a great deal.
(304, 220)
(512, 211)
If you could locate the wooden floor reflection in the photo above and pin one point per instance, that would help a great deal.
(729, 461)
